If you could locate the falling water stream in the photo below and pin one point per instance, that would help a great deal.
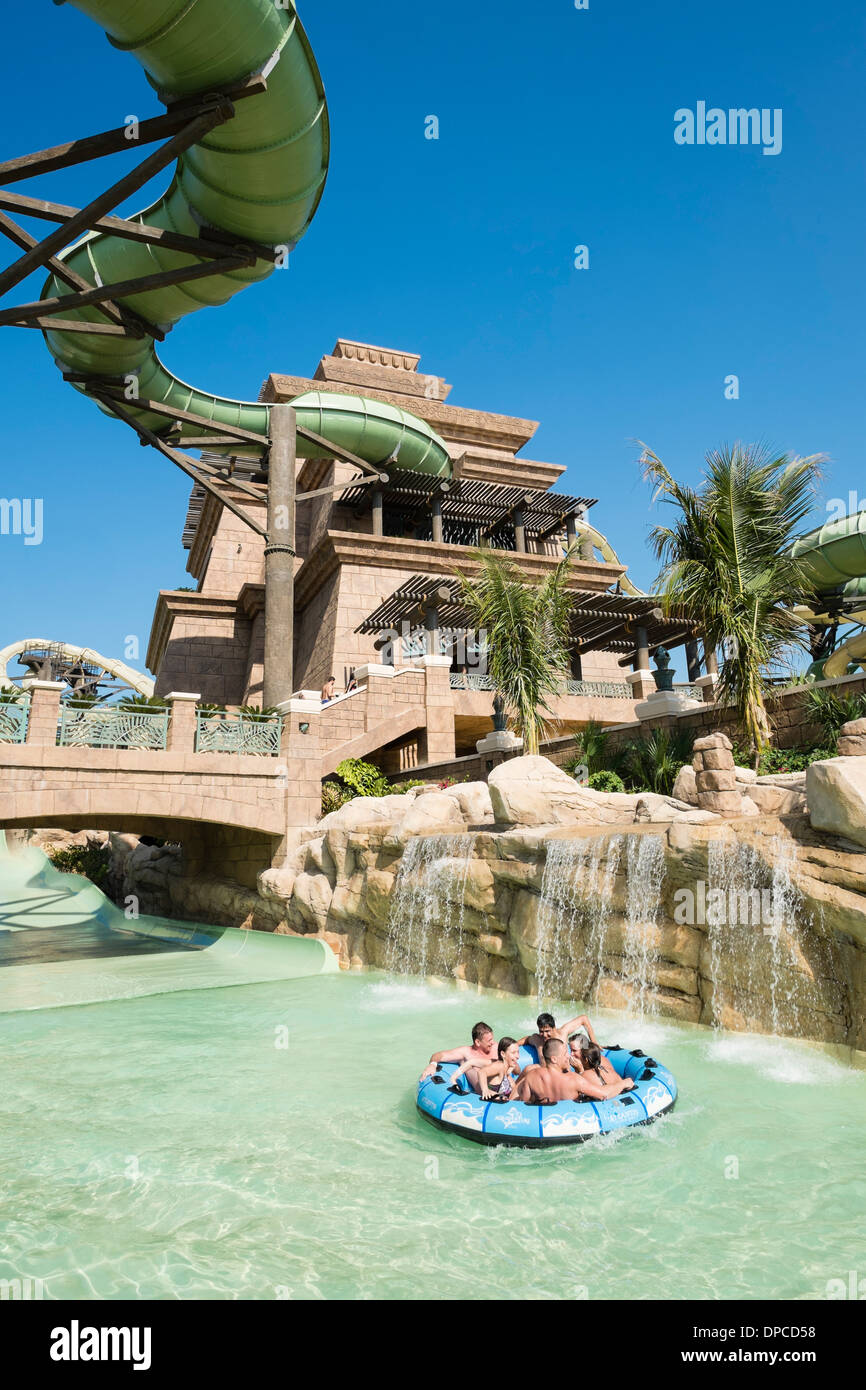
(426, 920)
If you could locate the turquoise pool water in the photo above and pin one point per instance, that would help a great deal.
(261, 1141)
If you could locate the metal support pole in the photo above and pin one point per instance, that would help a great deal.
(570, 531)
(641, 657)
(520, 530)
(710, 661)
(280, 558)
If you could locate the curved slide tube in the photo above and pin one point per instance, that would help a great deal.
(257, 177)
(63, 942)
(835, 554)
(607, 552)
(141, 683)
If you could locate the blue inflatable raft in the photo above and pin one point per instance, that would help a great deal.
(462, 1111)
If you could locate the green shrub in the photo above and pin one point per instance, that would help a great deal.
(791, 759)
(652, 761)
(606, 781)
(592, 752)
(334, 796)
(400, 787)
(81, 859)
(831, 710)
(364, 779)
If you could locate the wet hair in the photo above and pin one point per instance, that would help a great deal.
(504, 1044)
(479, 1031)
(590, 1056)
(553, 1048)
(545, 1021)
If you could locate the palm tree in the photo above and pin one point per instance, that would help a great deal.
(526, 627)
(726, 561)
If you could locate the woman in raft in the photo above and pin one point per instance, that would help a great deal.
(497, 1080)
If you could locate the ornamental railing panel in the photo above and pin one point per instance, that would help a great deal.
(239, 733)
(13, 720)
(107, 727)
(612, 690)
(694, 692)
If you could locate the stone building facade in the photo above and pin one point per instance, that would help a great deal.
(210, 640)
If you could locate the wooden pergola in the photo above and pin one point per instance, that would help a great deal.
(467, 510)
(634, 627)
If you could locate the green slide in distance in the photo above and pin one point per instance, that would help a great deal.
(258, 177)
(835, 554)
(63, 942)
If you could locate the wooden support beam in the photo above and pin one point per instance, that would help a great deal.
(122, 318)
(333, 450)
(75, 326)
(189, 134)
(186, 465)
(210, 242)
(58, 304)
(113, 141)
(189, 417)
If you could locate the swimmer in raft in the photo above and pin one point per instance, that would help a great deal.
(554, 1081)
(497, 1080)
(547, 1029)
(479, 1053)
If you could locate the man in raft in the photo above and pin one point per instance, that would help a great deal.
(553, 1080)
(547, 1029)
(479, 1053)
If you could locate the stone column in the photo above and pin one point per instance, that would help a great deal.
(693, 661)
(280, 558)
(299, 770)
(709, 682)
(641, 678)
(715, 778)
(182, 721)
(436, 518)
(520, 530)
(378, 512)
(44, 712)
(439, 708)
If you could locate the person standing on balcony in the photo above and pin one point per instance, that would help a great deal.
(328, 689)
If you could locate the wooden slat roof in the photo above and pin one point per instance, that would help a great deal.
(469, 500)
(599, 622)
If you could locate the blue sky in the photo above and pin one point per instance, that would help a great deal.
(556, 130)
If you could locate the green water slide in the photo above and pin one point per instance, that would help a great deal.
(836, 558)
(257, 177)
(63, 942)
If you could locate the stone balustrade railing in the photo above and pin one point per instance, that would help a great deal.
(611, 690)
(42, 717)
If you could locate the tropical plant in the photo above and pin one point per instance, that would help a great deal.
(831, 710)
(652, 761)
(364, 779)
(258, 715)
(141, 702)
(334, 796)
(606, 781)
(592, 751)
(81, 859)
(526, 628)
(727, 564)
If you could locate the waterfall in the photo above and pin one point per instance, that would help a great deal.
(578, 928)
(753, 917)
(426, 918)
(644, 877)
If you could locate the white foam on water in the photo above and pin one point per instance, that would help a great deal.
(779, 1061)
(395, 996)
